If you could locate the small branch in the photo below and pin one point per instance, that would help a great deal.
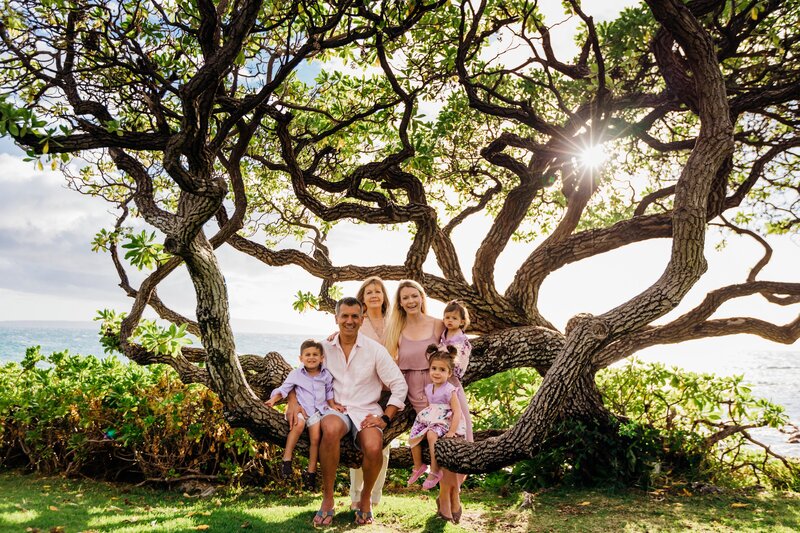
(651, 198)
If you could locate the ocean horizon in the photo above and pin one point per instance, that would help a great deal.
(84, 338)
(773, 375)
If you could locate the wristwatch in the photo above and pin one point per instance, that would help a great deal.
(386, 420)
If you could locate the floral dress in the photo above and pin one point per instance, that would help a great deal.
(462, 344)
(436, 417)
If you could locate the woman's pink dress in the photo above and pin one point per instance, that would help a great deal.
(414, 365)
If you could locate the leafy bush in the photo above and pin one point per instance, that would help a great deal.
(674, 426)
(497, 402)
(100, 417)
(587, 453)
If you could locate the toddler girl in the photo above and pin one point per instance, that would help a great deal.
(442, 417)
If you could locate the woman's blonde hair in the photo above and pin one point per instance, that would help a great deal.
(397, 317)
(373, 280)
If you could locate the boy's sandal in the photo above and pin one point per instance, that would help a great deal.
(309, 480)
(321, 516)
(362, 519)
(286, 469)
(432, 480)
(416, 473)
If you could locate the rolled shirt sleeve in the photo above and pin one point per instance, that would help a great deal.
(392, 377)
(329, 389)
(287, 386)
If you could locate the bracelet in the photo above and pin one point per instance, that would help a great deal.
(386, 420)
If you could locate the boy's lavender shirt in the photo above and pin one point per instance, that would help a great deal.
(313, 392)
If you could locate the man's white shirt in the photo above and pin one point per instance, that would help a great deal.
(358, 381)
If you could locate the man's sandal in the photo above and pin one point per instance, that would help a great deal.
(320, 518)
(362, 519)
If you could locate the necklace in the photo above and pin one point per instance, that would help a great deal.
(378, 330)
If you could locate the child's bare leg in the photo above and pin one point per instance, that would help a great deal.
(314, 436)
(416, 455)
(292, 438)
(432, 438)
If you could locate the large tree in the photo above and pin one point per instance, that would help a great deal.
(193, 116)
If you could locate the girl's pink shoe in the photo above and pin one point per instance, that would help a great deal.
(416, 473)
(432, 480)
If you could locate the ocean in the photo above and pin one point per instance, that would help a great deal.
(771, 374)
(83, 339)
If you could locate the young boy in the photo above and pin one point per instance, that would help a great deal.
(313, 386)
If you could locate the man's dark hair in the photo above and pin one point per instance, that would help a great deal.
(348, 300)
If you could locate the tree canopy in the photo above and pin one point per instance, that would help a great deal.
(201, 118)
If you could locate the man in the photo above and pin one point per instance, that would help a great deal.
(360, 367)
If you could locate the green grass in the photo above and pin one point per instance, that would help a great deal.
(33, 502)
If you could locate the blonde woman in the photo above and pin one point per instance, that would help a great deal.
(411, 330)
(373, 297)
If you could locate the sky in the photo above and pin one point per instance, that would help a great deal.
(48, 272)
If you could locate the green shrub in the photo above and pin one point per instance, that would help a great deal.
(101, 417)
(587, 454)
(674, 426)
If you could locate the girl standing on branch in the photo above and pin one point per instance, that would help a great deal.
(456, 320)
(441, 418)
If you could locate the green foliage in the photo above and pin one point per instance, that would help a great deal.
(143, 251)
(153, 337)
(304, 301)
(19, 122)
(586, 453)
(109, 330)
(167, 341)
(685, 401)
(674, 425)
(308, 301)
(100, 417)
(497, 402)
(103, 240)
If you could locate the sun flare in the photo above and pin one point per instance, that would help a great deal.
(593, 156)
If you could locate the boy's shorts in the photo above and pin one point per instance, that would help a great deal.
(312, 420)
